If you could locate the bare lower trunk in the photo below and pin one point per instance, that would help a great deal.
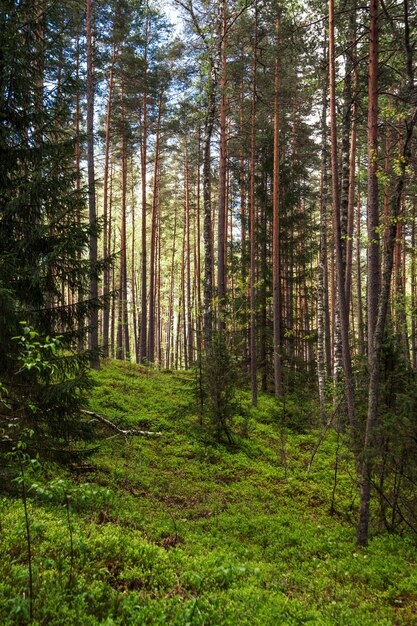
(252, 220)
(276, 274)
(93, 291)
(343, 312)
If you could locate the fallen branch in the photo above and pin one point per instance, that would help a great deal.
(121, 431)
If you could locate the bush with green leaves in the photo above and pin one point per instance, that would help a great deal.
(45, 394)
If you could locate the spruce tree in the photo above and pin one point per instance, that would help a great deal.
(44, 234)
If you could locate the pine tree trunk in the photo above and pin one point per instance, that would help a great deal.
(276, 274)
(133, 266)
(106, 276)
(322, 266)
(373, 207)
(170, 321)
(252, 219)
(93, 290)
(151, 338)
(352, 164)
(187, 260)
(413, 289)
(243, 218)
(123, 351)
(361, 326)
(208, 245)
(143, 160)
(221, 270)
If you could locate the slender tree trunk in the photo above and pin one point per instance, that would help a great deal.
(373, 207)
(352, 171)
(123, 350)
(413, 289)
(243, 219)
(106, 276)
(221, 270)
(197, 267)
(361, 338)
(184, 342)
(343, 312)
(93, 291)
(187, 260)
(151, 350)
(276, 274)
(80, 294)
(133, 265)
(252, 211)
(143, 159)
(208, 245)
(170, 321)
(322, 266)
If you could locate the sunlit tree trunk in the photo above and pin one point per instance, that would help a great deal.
(155, 197)
(93, 290)
(106, 276)
(221, 269)
(143, 157)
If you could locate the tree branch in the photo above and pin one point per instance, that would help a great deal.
(120, 431)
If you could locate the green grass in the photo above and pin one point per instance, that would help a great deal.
(177, 530)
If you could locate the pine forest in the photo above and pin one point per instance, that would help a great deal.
(208, 312)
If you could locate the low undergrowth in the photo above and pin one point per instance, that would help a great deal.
(179, 530)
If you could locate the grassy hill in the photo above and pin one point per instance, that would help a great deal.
(175, 529)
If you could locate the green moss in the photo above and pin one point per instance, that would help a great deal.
(195, 533)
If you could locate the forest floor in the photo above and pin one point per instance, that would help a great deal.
(178, 530)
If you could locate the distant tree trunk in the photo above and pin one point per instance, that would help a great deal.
(276, 274)
(93, 316)
(112, 249)
(413, 289)
(352, 164)
(133, 266)
(187, 260)
(361, 338)
(143, 162)
(208, 246)
(123, 350)
(221, 270)
(373, 208)
(252, 210)
(78, 177)
(170, 321)
(262, 322)
(322, 266)
(151, 350)
(197, 263)
(184, 342)
(243, 217)
(106, 276)
(158, 294)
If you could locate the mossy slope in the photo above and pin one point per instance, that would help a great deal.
(189, 532)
